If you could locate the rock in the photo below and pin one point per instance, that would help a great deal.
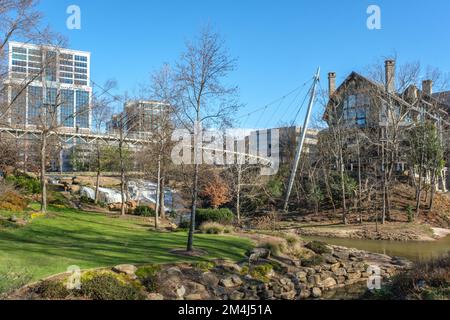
(342, 255)
(316, 279)
(301, 274)
(305, 293)
(267, 294)
(328, 283)
(340, 279)
(210, 279)
(329, 258)
(354, 275)
(258, 253)
(316, 292)
(180, 291)
(127, 269)
(288, 295)
(236, 295)
(155, 296)
(231, 282)
(195, 288)
(229, 266)
(193, 296)
(340, 272)
(174, 271)
(335, 267)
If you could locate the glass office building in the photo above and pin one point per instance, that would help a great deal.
(45, 78)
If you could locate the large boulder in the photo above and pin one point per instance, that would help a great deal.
(230, 282)
(258, 253)
(127, 269)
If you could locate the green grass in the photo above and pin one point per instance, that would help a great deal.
(66, 237)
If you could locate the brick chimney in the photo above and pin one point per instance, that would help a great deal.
(331, 83)
(389, 66)
(427, 87)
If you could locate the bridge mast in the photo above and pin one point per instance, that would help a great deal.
(301, 141)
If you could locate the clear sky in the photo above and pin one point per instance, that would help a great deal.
(279, 44)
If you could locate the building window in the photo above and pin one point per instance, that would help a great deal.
(34, 104)
(67, 113)
(355, 109)
(19, 50)
(82, 109)
(18, 107)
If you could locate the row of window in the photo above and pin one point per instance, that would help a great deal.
(74, 106)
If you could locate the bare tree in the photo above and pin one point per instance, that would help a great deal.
(101, 113)
(204, 99)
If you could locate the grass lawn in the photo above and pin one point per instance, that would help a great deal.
(68, 237)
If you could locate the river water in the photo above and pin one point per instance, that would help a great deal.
(412, 250)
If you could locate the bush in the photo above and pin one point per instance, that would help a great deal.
(53, 290)
(410, 213)
(262, 271)
(106, 286)
(318, 247)
(313, 261)
(427, 280)
(291, 238)
(85, 199)
(214, 228)
(276, 247)
(223, 216)
(12, 201)
(26, 183)
(204, 265)
(148, 276)
(144, 211)
(184, 224)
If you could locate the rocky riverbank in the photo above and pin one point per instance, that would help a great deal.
(261, 277)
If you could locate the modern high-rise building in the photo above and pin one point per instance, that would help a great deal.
(42, 76)
(139, 116)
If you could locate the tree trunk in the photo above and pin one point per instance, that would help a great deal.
(97, 183)
(433, 190)
(194, 208)
(158, 191)
(43, 179)
(238, 194)
(122, 177)
(162, 207)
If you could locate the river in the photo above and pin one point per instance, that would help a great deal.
(412, 250)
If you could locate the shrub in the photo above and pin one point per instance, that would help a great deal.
(184, 224)
(313, 261)
(276, 247)
(262, 271)
(291, 238)
(318, 247)
(12, 201)
(410, 213)
(148, 276)
(204, 265)
(106, 286)
(53, 290)
(30, 185)
(211, 228)
(144, 211)
(85, 199)
(223, 216)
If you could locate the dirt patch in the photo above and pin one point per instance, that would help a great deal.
(193, 253)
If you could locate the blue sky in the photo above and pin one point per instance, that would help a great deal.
(279, 44)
